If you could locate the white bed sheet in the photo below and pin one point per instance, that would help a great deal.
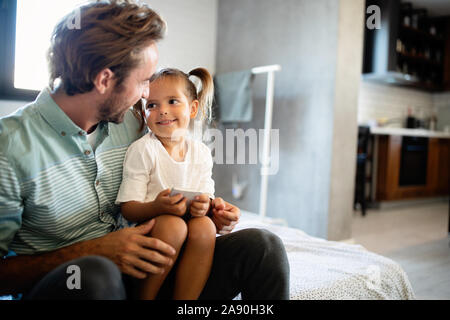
(321, 269)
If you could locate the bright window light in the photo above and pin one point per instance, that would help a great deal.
(34, 26)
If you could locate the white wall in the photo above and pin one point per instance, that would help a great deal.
(190, 41)
(441, 102)
(319, 47)
(191, 38)
(348, 73)
(392, 102)
(7, 107)
(387, 101)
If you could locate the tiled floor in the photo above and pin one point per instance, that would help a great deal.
(384, 231)
(416, 238)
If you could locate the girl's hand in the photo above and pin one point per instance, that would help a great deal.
(175, 205)
(200, 205)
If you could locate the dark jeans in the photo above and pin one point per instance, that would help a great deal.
(252, 262)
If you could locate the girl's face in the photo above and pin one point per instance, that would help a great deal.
(168, 109)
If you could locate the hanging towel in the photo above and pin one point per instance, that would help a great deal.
(233, 96)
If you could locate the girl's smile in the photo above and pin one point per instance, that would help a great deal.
(166, 122)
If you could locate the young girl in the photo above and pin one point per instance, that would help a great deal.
(167, 158)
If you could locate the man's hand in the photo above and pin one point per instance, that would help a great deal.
(135, 253)
(224, 215)
(200, 205)
(164, 203)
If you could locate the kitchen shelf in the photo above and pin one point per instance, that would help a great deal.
(420, 33)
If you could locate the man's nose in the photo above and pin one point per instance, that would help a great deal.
(146, 93)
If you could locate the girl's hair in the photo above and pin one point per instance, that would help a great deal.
(112, 34)
(205, 96)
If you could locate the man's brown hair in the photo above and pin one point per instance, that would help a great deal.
(111, 35)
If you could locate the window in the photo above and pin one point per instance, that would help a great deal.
(25, 30)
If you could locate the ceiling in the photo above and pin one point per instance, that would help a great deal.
(434, 7)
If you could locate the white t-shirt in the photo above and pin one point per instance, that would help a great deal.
(148, 169)
(92, 138)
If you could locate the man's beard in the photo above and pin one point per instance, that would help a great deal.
(112, 109)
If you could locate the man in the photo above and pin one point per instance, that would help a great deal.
(61, 166)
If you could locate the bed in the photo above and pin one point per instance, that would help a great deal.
(330, 270)
(321, 269)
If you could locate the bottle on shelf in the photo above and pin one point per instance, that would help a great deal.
(422, 19)
(432, 29)
(406, 8)
(415, 19)
(405, 68)
(399, 46)
(427, 52)
(410, 119)
(432, 122)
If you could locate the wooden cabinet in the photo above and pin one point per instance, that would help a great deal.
(443, 180)
(388, 173)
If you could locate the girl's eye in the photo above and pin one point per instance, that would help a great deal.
(173, 101)
(151, 105)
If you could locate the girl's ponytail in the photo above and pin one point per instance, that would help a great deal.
(205, 96)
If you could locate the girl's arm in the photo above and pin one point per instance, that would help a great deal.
(136, 211)
(202, 204)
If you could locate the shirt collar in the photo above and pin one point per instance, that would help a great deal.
(54, 115)
(104, 125)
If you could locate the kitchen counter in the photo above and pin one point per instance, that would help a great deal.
(409, 132)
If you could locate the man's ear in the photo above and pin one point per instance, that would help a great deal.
(104, 81)
(194, 109)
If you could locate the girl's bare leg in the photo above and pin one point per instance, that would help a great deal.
(172, 230)
(196, 261)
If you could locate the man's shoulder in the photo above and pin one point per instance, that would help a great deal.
(15, 127)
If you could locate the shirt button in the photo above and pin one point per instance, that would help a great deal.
(80, 133)
(87, 152)
(63, 133)
(97, 182)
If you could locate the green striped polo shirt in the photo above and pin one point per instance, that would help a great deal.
(55, 190)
